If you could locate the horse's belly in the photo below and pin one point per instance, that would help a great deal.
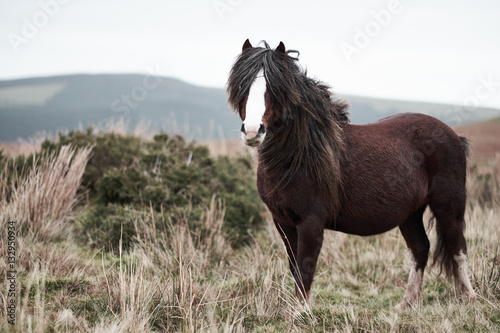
(378, 211)
(366, 227)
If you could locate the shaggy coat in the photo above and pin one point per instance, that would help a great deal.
(317, 171)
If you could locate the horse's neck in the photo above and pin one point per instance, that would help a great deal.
(312, 163)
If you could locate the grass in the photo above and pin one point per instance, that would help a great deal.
(42, 195)
(173, 280)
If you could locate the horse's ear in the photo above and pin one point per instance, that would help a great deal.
(246, 46)
(281, 48)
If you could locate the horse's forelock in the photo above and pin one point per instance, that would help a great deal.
(279, 71)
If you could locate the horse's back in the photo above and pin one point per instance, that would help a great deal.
(443, 148)
(388, 168)
(419, 134)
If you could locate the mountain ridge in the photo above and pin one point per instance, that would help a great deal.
(52, 103)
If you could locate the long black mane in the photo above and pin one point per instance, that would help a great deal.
(305, 137)
(285, 79)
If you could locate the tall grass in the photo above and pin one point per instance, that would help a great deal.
(484, 183)
(41, 196)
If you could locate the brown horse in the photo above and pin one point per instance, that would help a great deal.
(317, 171)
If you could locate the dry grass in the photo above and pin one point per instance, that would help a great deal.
(121, 125)
(484, 182)
(232, 148)
(24, 147)
(41, 197)
(175, 281)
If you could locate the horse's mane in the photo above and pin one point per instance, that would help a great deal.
(306, 140)
(279, 69)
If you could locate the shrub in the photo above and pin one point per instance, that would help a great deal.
(168, 175)
(104, 226)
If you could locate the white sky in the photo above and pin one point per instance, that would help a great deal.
(439, 51)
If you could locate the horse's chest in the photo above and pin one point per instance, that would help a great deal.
(275, 199)
(287, 204)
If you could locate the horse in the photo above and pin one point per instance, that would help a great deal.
(317, 171)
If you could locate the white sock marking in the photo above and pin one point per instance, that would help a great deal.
(413, 288)
(463, 282)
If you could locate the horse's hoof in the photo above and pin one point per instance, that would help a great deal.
(299, 313)
(307, 301)
(469, 295)
(406, 305)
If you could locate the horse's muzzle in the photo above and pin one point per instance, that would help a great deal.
(253, 138)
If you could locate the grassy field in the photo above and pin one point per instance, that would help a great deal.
(170, 277)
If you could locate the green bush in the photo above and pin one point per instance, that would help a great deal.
(104, 226)
(127, 175)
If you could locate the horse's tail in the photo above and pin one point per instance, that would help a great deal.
(443, 258)
(465, 143)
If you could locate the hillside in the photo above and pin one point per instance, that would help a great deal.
(64, 102)
(484, 138)
(50, 104)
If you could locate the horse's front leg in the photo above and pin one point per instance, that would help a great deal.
(310, 240)
(303, 244)
(290, 239)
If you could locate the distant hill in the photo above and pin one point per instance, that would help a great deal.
(50, 104)
(484, 138)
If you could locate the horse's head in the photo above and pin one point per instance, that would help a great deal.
(249, 93)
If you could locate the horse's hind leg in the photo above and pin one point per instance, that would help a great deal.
(451, 248)
(416, 239)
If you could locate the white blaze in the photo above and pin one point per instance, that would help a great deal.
(256, 105)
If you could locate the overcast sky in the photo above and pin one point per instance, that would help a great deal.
(442, 51)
